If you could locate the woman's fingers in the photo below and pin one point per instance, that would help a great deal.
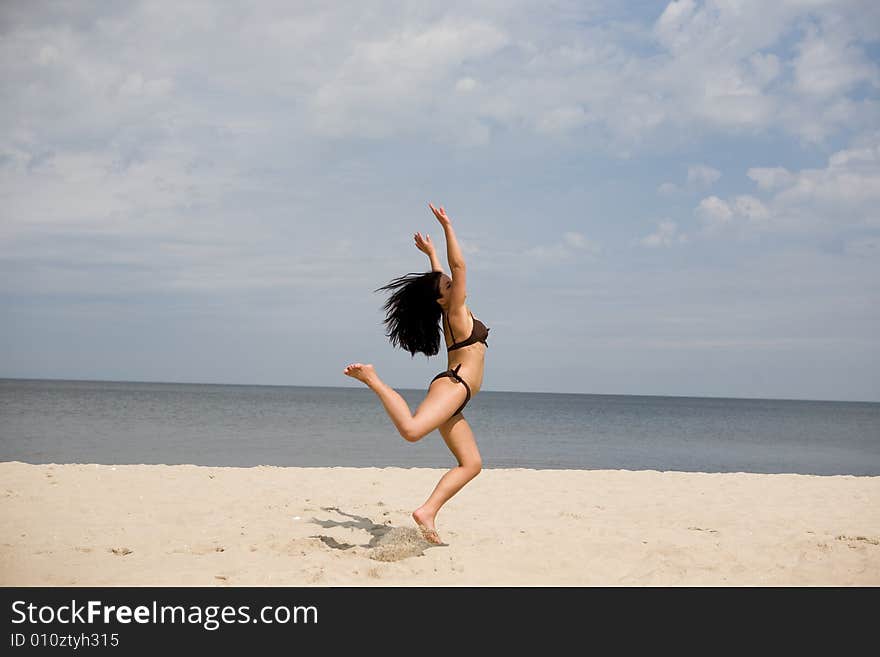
(439, 213)
(423, 243)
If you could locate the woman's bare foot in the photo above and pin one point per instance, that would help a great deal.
(361, 372)
(425, 521)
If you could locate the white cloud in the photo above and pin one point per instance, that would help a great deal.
(750, 208)
(742, 211)
(666, 235)
(714, 210)
(153, 100)
(671, 27)
(578, 241)
(345, 69)
(571, 243)
(702, 175)
(397, 82)
(845, 193)
(699, 176)
(561, 120)
(770, 177)
(169, 220)
(465, 85)
(725, 76)
(765, 67)
(829, 63)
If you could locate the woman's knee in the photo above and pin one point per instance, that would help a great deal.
(473, 468)
(412, 433)
(409, 435)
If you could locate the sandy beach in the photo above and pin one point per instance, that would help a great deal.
(104, 525)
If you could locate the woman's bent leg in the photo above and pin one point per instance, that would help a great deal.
(444, 397)
(460, 440)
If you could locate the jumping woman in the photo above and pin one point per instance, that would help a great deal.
(414, 308)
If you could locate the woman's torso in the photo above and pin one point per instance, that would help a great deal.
(470, 357)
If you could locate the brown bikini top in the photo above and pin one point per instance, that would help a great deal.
(478, 334)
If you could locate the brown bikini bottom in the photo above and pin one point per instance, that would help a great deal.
(453, 374)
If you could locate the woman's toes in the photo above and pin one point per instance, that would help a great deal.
(361, 372)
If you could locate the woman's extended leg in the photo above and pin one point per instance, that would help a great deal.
(444, 397)
(460, 440)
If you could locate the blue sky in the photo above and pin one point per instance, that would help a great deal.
(667, 198)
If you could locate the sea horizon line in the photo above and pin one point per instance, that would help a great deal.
(484, 390)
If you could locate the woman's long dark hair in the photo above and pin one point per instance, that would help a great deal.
(412, 312)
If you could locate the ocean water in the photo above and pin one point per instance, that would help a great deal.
(54, 421)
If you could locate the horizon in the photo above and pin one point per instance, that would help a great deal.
(516, 392)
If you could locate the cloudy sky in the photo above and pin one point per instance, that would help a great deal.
(653, 198)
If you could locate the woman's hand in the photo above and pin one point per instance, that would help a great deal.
(441, 215)
(424, 244)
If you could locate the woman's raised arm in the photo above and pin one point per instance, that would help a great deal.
(458, 271)
(453, 251)
(426, 246)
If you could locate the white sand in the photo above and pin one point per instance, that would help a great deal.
(102, 525)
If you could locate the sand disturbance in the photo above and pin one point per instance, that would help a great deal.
(399, 543)
(387, 543)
